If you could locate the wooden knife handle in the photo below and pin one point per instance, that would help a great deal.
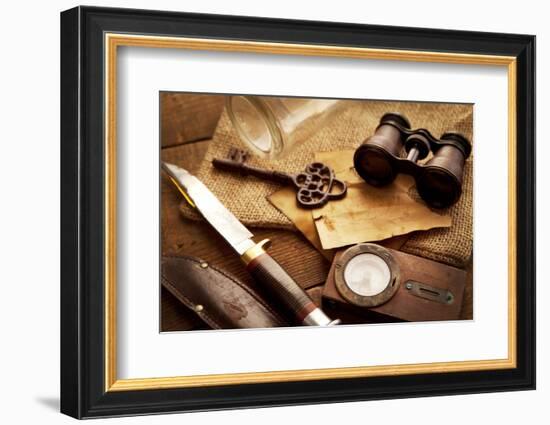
(267, 272)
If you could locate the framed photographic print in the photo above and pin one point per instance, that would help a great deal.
(261, 212)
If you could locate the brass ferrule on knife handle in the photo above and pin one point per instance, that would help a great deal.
(269, 273)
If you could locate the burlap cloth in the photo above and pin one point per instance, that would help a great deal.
(246, 196)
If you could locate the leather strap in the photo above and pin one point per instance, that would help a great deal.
(219, 299)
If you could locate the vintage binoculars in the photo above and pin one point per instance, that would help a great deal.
(438, 182)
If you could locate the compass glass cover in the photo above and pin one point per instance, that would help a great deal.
(367, 274)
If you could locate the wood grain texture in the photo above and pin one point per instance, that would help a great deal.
(188, 117)
(467, 312)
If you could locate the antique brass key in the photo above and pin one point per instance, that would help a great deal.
(314, 185)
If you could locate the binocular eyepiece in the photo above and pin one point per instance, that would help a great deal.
(438, 182)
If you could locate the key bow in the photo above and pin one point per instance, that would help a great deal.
(315, 186)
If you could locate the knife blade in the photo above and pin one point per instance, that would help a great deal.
(213, 211)
(261, 265)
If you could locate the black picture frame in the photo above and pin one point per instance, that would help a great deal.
(83, 392)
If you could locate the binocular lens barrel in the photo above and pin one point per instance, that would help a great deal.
(374, 165)
(374, 159)
(438, 182)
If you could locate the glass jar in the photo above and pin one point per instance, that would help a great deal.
(272, 126)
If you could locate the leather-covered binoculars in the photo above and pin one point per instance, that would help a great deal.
(438, 182)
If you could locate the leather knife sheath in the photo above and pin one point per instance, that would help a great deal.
(217, 298)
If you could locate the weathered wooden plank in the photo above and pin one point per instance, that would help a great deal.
(188, 117)
(467, 311)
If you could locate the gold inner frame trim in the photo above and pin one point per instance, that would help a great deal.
(113, 41)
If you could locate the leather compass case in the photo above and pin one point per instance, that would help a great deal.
(427, 290)
(217, 298)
